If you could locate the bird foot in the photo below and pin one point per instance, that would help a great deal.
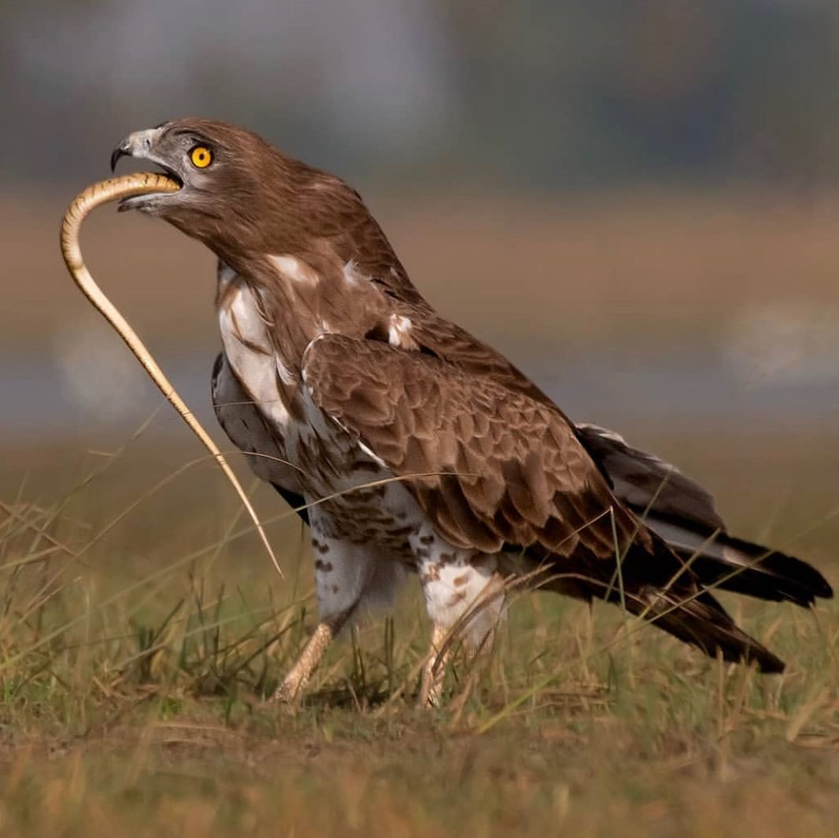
(287, 695)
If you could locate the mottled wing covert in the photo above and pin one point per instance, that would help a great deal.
(493, 466)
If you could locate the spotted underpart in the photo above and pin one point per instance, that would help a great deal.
(351, 576)
(458, 582)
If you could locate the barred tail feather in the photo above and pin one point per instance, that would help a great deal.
(734, 564)
(704, 623)
(659, 588)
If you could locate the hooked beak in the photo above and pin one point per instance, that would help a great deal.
(141, 145)
(120, 151)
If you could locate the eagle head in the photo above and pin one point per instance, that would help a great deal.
(244, 198)
(236, 188)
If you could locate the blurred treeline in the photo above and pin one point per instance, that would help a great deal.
(532, 93)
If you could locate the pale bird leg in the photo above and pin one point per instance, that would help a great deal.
(81, 206)
(443, 639)
(434, 672)
(296, 681)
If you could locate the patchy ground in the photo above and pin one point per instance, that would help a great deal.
(140, 631)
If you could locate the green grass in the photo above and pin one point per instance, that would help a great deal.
(140, 631)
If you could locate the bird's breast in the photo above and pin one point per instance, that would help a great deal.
(325, 457)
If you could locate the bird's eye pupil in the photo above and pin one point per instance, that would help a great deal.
(201, 157)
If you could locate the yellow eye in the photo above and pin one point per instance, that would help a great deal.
(201, 156)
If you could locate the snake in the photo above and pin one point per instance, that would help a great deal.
(80, 207)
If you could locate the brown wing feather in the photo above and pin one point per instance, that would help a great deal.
(499, 466)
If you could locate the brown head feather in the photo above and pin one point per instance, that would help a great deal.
(253, 199)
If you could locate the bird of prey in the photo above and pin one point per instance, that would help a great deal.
(416, 447)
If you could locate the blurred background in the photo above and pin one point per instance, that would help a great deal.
(636, 200)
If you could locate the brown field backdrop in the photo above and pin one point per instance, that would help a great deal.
(646, 266)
